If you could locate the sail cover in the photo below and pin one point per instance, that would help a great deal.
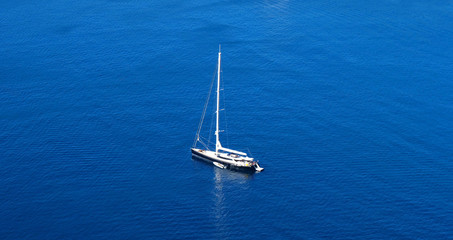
(232, 151)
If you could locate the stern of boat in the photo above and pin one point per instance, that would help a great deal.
(258, 168)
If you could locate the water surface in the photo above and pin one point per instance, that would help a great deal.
(348, 107)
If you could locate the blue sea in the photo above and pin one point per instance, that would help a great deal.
(348, 105)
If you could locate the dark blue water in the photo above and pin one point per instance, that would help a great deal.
(348, 106)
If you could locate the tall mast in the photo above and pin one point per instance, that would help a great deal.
(217, 142)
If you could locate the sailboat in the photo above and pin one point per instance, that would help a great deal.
(220, 156)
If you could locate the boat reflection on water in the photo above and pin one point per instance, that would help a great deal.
(219, 212)
(225, 183)
(224, 180)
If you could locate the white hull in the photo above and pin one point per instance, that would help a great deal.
(226, 160)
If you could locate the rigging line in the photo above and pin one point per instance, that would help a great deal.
(248, 149)
(225, 113)
(212, 124)
(213, 117)
(203, 139)
(204, 111)
(202, 142)
(207, 147)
